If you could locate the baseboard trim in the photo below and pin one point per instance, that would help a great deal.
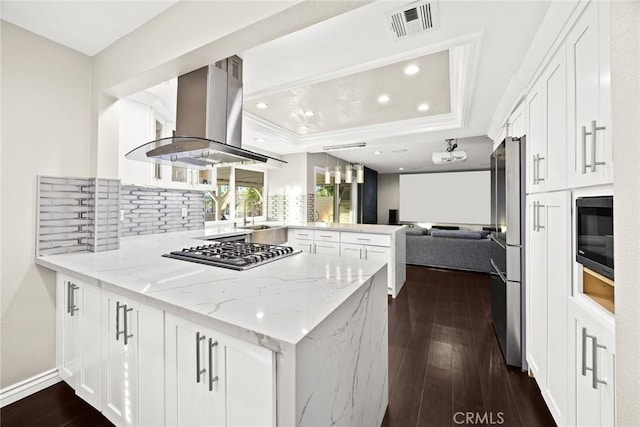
(29, 386)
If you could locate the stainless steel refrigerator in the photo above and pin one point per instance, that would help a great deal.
(508, 207)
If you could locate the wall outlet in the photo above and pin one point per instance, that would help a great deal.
(184, 212)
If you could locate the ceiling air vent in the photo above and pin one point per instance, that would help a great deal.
(413, 18)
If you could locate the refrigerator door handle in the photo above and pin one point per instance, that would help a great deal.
(497, 270)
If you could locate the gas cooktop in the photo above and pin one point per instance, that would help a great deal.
(233, 255)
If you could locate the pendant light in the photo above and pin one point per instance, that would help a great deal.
(348, 174)
(338, 175)
(360, 174)
(327, 173)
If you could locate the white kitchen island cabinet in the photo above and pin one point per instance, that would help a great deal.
(212, 378)
(300, 341)
(78, 346)
(385, 243)
(132, 362)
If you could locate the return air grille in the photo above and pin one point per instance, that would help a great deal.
(413, 18)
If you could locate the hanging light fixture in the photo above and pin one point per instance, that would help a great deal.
(360, 174)
(327, 173)
(348, 174)
(338, 175)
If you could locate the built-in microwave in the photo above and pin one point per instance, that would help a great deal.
(594, 232)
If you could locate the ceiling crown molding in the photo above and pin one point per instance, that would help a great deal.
(464, 57)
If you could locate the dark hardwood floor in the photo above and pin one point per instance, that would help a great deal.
(444, 365)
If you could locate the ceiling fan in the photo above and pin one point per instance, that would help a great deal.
(450, 155)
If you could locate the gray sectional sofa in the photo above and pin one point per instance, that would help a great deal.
(456, 249)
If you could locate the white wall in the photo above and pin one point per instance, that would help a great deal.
(625, 97)
(46, 103)
(388, 195)
(137, 126)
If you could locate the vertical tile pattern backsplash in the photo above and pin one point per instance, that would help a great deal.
(149, 210)
(291, 208)
(76, 215)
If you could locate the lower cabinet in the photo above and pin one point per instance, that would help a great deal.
(548, 289)
(78, 349)
(365, 252)
(133, 362)
(592, 366)
(216, 380)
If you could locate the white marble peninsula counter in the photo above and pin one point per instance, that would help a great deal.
(148, 340)
(362, 241)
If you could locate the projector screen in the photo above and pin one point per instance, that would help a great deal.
(446, 198)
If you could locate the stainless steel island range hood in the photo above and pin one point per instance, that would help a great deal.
(208, 122)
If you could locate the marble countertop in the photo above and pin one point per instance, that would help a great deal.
(353, 228)
(283, 300)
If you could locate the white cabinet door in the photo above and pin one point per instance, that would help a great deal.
(351, 250)
(327, 248)
(212, 378)
(557, 216)
(590, 155)
(303, 245)
(377, 253)
(536, 146)
(78, 337)
(516, 122)
(133, 362)
(552, 166)
(548, 290)
(195, 397)
(536, 293)
(66, 332)
(592, 375)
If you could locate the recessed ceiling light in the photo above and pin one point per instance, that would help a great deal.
(423, 107)
(303, 127)
(259, 140)
(261, 105)
(411, 69)
(377, 152)
(383, 99)
(309, 113)
(400, 169)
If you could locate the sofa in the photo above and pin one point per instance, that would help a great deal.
(455, 249)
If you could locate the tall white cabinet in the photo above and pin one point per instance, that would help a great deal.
(548, 290)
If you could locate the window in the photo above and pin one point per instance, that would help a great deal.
(333, 198)
(324, 198)
(217, 201)
(249, 196)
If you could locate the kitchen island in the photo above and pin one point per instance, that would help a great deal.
(361, 241)
(301, 341)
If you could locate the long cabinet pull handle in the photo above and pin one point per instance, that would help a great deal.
(594, 130)
(534, 168)
(360, 253)
(126, 333)
(118, 331)
(584, 149)
(585, 335)
(199, 371)
(540, 205)
(594, 374)
(538, 168)
(212, 378)
(68, 296)
(71, 301)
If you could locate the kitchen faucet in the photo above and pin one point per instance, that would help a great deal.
(244, 218)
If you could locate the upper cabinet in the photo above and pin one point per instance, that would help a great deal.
(590, 151)
(516, 123)
(546, 123)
